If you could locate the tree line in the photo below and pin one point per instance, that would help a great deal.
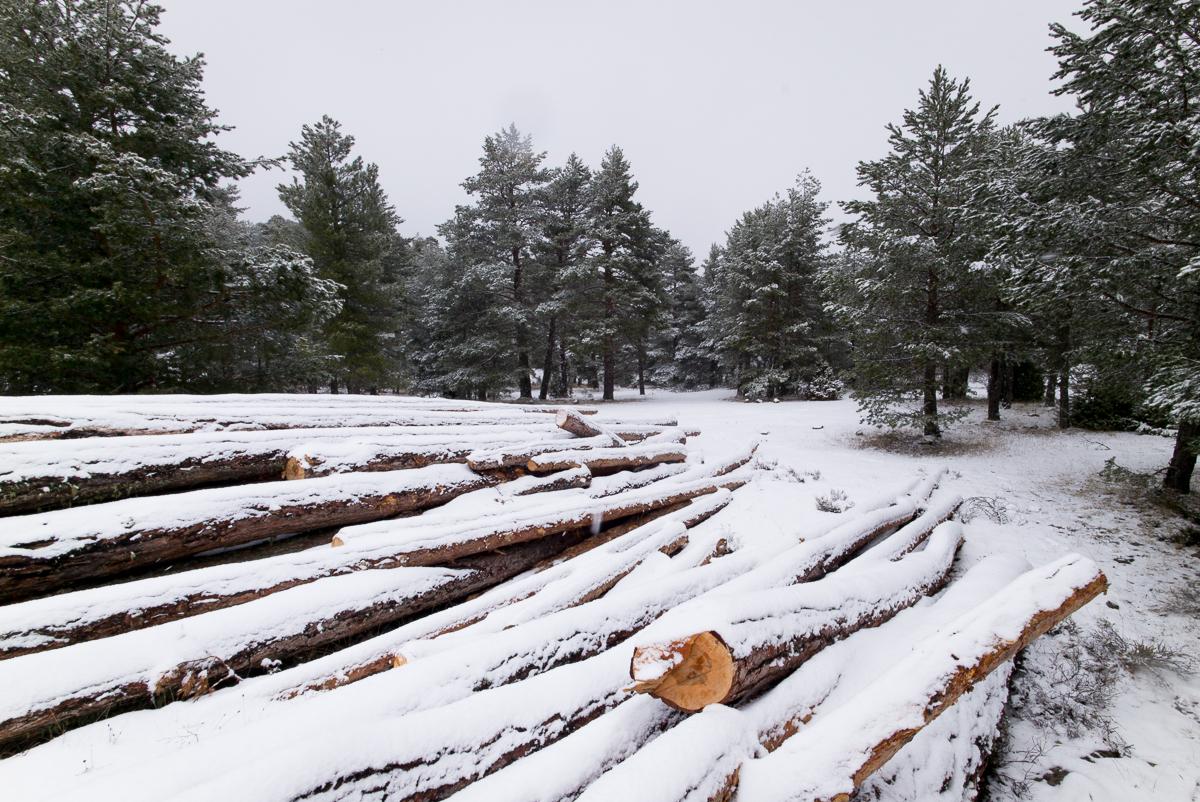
(1057, 257)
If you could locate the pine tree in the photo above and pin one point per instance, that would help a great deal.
(498, 236)
(349, 228)
(681, 358)
(906, 285)
(623, 285)
(769, 324)
(111, 176)
(565, 246)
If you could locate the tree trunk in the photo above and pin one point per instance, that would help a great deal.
(929, 408)
(993, 388)
(1010, 381)
(333, 386)
(610, 314)
(481, 393)
(1051, 388)
(564, 370)
(1064, 393)
(548, 362)
(1183, 459)
(641, 372)
(524, 383)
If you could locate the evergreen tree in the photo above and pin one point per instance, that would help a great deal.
(769, 323)
(623, 285)
(906, 285)
(1135, 79)
(108, 267)
(496, 239)
(349, 229)
(680, 354)
(565, 246)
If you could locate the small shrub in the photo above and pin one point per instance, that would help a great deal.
(1138, 655)
(988, 507)
(834, 501)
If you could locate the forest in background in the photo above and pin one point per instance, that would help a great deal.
(1060, 255)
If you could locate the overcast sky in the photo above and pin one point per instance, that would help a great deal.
(717, 105)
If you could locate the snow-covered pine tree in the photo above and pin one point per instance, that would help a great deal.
(111, 177)
(679, 353)
(769, 324)
(565, 246)
(1043, 255)
(623, 281)
(349, 228)
(1136, 81)
(905, 284)
(496, 238)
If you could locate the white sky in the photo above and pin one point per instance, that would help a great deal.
(717, 104)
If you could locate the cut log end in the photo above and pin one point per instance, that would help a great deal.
(336, 542)
(297, 468)
(701, 672)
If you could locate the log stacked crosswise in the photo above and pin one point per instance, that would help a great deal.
(491, 601)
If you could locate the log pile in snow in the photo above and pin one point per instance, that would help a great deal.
(482, 600)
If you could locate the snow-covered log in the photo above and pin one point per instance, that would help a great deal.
(607, 460)
(48, 417)
(828, 760)
(947, 760)
(564, 480)
(479, 521)
(45, 552)
(571, 421)
(517, 455)
(579, 574)
(185, 658)
(705, 751)
(456, 531)
(761, 637)
(60, 473)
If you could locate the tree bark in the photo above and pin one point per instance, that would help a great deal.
(1064, 393)
(610, 315)
(564, 370)
(548, 361)
(333, 386)
(1051, 389)
(929, 408)
(993, 388)
(1010, 380)
(641, 371)
(1183, 458)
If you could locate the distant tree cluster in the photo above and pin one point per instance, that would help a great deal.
(1059, 257)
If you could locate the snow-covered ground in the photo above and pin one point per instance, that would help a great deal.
(1095, 715)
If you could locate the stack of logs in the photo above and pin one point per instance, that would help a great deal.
(473, 596)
